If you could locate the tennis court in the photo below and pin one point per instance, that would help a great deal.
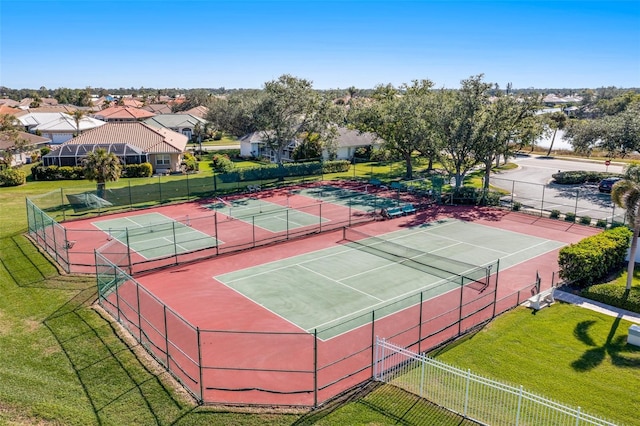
(328, 290)
(263, 214)
(359, 198)
(155, 235)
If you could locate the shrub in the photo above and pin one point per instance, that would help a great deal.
(45, 150)
(602, 223)
(614, 295)
(138, 170)
(577, 177)
(591, 259)
(189, 162)
(221, 163)
(12, 177)
(570, 217)
(555, 214)
(217, 136)
(517, 205)
(585, 220)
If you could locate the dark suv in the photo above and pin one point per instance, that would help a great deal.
(605, 185)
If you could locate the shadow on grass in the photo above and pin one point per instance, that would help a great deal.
(616, 347)
(375, 400)
(118, 386)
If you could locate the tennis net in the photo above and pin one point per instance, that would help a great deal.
(429, 263)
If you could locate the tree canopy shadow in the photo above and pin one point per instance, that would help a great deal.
(622, 354)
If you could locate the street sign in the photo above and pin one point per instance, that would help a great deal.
(607, 162)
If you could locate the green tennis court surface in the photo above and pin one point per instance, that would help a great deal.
(334, 290)
(356, 198)
(154, 235)
(269, 216)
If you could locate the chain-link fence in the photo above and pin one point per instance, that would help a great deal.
(581, 202)
(278, 366)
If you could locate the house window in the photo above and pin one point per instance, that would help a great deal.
(163, 160)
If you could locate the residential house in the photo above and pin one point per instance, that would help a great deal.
(122, 113)
(343, 148)
(199, 111)
(158, 108)
(181, 123)
(21, 153)
(133, 143)
(57, 126)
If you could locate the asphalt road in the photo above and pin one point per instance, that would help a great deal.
(532, 185)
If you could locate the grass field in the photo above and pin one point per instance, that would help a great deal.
(573, 355)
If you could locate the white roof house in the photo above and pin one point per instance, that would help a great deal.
(346, 143)
(57, 126)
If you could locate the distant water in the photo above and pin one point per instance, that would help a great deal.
(559, 143)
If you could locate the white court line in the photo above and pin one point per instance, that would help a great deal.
(341, 283)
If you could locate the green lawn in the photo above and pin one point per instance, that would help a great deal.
(572, 355)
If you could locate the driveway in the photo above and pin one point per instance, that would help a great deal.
(532, 185)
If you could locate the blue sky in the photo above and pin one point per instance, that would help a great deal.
(336, 44)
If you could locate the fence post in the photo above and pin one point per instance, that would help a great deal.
(320, 218)
(420, 322)
(64, 217)
(55, 246)
(315, 367)
(126, 233)
(466, 393)
(519, 406)
(130, 196)
(160, 187)
(460, 308)
(578, 417)
(139, 313)
(542, 202)
(373, 339)
(175, 243)
(166, 334)
(575, 210)
(422, 367)
(200, 365)
(513, 190)
(188, 190)
(66, 250)
(115, 283)
(287, 224)
(253, 230)
(215, 231)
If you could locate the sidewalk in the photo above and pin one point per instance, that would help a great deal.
(596, 306)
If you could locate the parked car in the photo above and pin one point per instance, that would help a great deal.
(605, 185)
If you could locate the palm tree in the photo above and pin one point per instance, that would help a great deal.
(626, 194)
(557, 121)
(103, 167)
(77, 117)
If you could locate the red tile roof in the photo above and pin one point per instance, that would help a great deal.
(143, 136)
(123, 113)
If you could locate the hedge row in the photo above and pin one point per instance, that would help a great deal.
(40, 172)
(591, 259)
(277, 171)
(57, 173)
(614, 295)
(581, 176)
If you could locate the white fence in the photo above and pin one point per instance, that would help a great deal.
(474, 397)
